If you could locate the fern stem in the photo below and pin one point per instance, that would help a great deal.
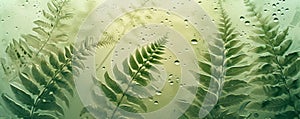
(105, 58)
(57, 20)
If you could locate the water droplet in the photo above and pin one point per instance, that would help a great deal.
(247, 23)
(171, 83)
(274, 14)
(177, 79)
(170, 75)
(2, 20)
(158, 92)
(276, 19)
(156, 102)
(103, 68)
(287, 9)
(242, 18)
(255, 115)
(177, 62)
(194, 41)
(199, 1)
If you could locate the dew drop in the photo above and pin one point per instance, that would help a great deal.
(103, 68)
(156, 102)
(242, 18)
(194, 41)
(177, 62)
(276, 19)
(256, 115)
(158, 92)
(287, 9)
(2, 20)
(171, 75)
(171, 83)
(247, 23)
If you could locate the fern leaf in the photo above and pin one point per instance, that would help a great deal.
(38, 76)
(46, 68)
(233, 85)
(28, 84)
(275, 104)
(293, 69)
(22, 96)
(53, 106)
(137, 101)
(289, 58)
(43, 24)
(41, 32)
(109, 93)
(16, 108)
(280, 50)
(232, 99)
(53, 61)
(111, 83)
(44, 116)
(236, 70)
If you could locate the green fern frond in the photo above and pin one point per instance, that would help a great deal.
(137, 67)
(277, 67)
(28, 49)
(46, 85)
(220, 66)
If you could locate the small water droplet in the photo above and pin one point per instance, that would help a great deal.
(276, 19)
(170, 75)
(177, 62)
(158, 92)
(255, 115)
(199, 1)
(247, 23)
(287, 9)
(103, 68)
(171, 83)
(177, 79)
(274, 14)
(2, 20)
(194, 41)
(242, 18)
(156, 102)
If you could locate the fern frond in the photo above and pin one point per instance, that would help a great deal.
(277, 66)
(46, 85)
(29, 49)
(136, 72)
(222, 64)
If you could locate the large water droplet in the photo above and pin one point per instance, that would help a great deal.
(177, 62)
(156, 102)
(194, 41)
(276, 19)
(247, 23)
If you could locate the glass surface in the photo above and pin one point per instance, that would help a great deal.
(147, 59)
